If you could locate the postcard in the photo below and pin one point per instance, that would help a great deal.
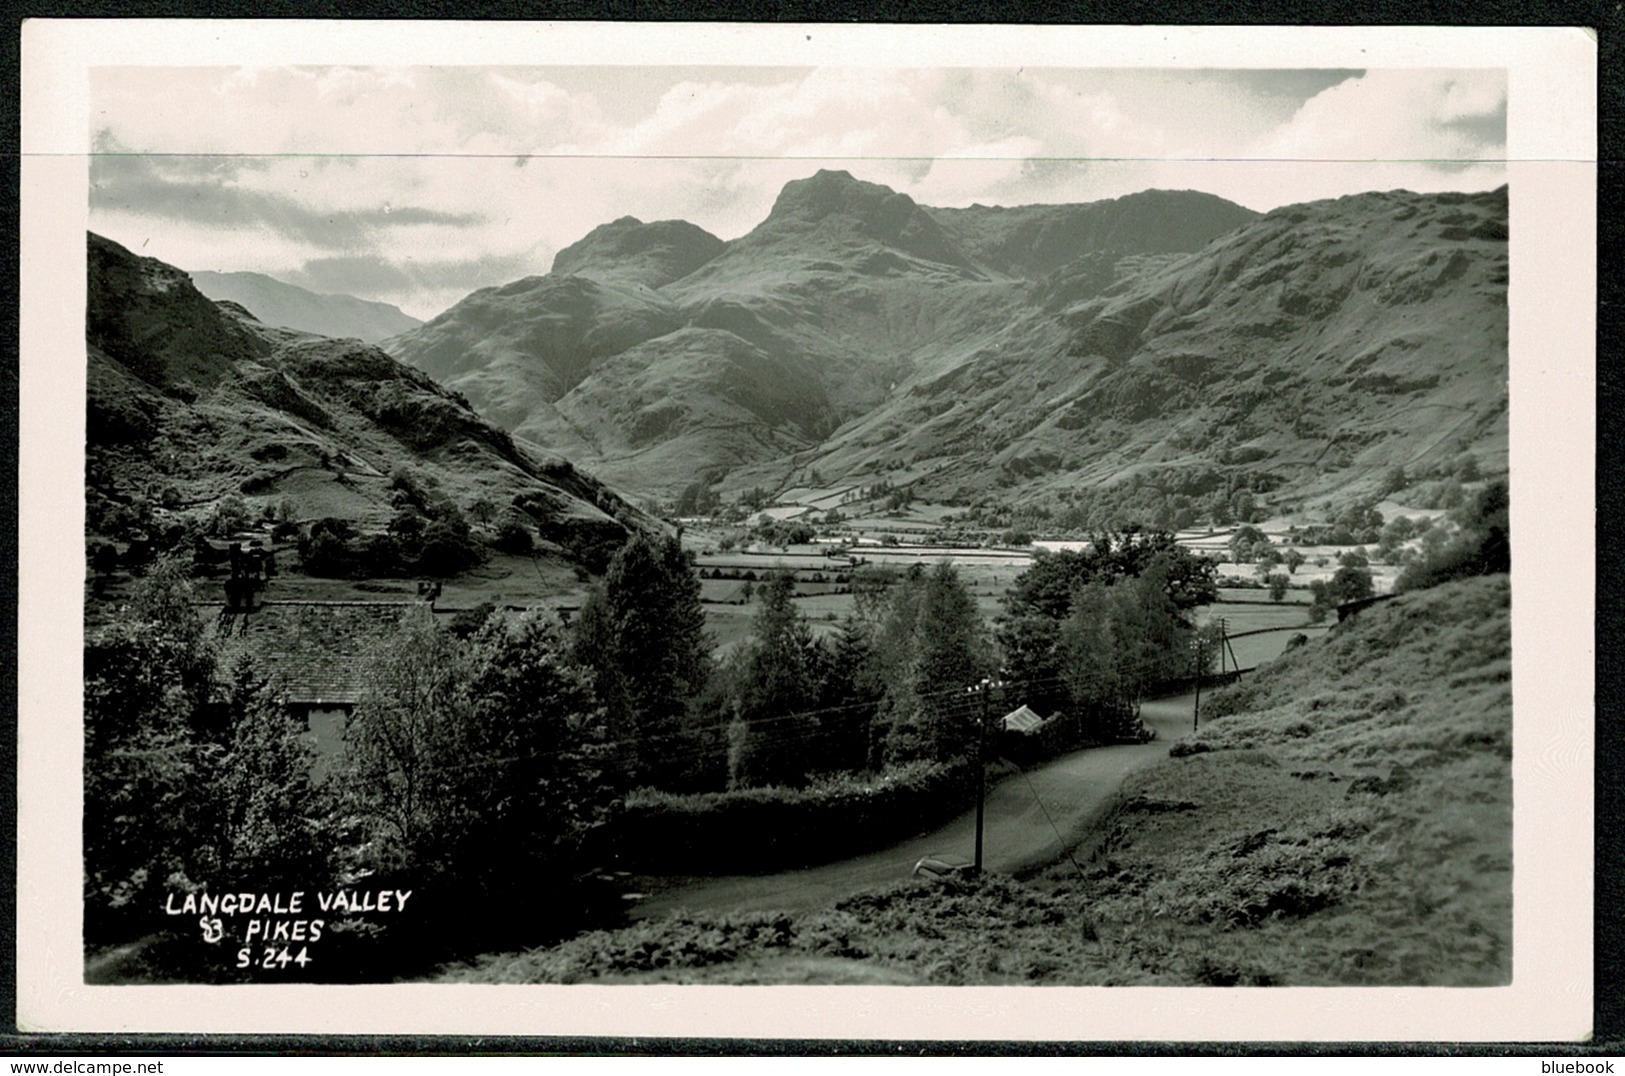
(807, 531)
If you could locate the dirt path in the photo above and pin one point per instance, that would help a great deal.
(1072, 789)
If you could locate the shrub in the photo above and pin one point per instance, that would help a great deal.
(1481, 546)
(326, 550)
(1234, 699)
(774, 827)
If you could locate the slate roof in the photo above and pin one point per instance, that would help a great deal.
(313, 649)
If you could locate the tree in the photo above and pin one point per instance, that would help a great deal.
(326, 550)
(779, 686)
(849, 695)
(1320, 600)
(1362, 521)
(230, 514)
(1042, 598)
(954, 652)
(931, 646)
(1088, 668)
(466, 623)
(1278, 586)
(1116, 645)
(534, 788)
(1155, 636)
(448, 544)
(403, 744)
(642, 632)
(1480, 544)
(474, 772)
(1244, 541)
(1348, 584)
(274, 830)
(149, 746)
(1293, 559)
(407, 525)
(513, 535)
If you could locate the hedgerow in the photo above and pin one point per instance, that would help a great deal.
(774, 827)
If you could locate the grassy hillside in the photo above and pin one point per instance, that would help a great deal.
(1348, 819)
(1342, 818)
(1309, 350)
(190, 401)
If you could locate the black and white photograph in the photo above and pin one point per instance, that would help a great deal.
(675, 518)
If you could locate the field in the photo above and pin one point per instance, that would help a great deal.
(822, 571)
(988, 573)
(822, 576)
(503, 581)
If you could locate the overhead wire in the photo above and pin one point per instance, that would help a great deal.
(1065, 848)
(756, 726)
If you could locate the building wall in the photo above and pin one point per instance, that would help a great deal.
(326, 724)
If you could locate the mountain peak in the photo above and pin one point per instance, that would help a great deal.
(150, 317)
(629, 251)
(834, 203)
(826, 192)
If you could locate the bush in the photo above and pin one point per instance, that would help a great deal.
(1481, 545)
(448, 547)
(1236, 698)
(513, 536)
(772, 828)
(326, 550)
(465, 622)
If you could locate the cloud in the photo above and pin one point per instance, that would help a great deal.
(368, 179)
(1448, 117)
(1287, 86)
(209, 191)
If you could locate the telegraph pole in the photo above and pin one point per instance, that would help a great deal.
(984, 688)
(1200, 650)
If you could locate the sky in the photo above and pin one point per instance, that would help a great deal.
(418, 185)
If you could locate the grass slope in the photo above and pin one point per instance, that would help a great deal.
(1343, 818)
(189, 400)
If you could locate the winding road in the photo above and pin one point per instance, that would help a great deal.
(1023, 815)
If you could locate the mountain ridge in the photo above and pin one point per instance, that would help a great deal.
(1013, 351)
(277, 302)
